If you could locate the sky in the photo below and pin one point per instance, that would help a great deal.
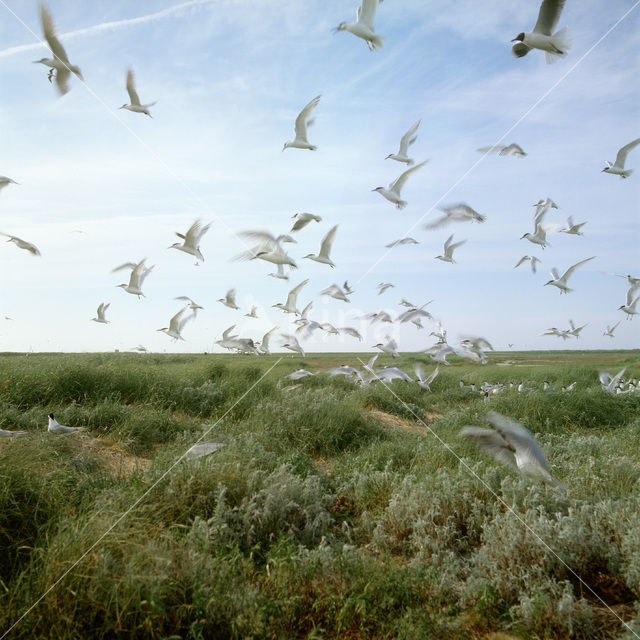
(100, 186)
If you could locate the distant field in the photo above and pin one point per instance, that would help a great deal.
(333, 510)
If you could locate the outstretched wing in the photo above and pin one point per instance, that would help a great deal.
(567, 274)
(548, 16)
(49, 30)
(408, 139)
(131, 88)
(492, 442)
(304, 119)
(327, 242)
(366, 13)
(399, 182)
(621, 158)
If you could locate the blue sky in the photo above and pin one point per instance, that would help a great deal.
(229, 78)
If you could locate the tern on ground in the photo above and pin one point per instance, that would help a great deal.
(513, 445)
(303, 121)
(176, 324)
(561, 281)
(303, 219)
(290, 305)
(532, 260)
(22, 244)
(138, 275)
(405, 142)
(512, 149)
(191, 240)
(135, 105)
(102, 309)
(55, 427)
(364, 26)
(325, 248)
(542, 37)
(60, 62)
(617, 168)
(455, 213)
(449, 248)
(229, 300)
(393, 192)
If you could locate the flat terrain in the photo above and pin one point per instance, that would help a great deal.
(333, 510)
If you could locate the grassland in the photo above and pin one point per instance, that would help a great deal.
(334, 511)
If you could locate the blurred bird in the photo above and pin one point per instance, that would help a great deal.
(264, 343)
(253, 313)
(325, 248)
(230, 299)
(422, 381)
(383, 286)
(191, 240)
(55, 427)
(350, 331)
(617, 168)
(12, 434)
(532, 260)
(334, 291)
(553, 44)
(303, 121)
(575, 331)
(303, 219)
(364, 26)
(449, 248)
(405, 142)
(573, 229)
(397, 243)
(610, 329)
(190, 303)
(176, 324)
(455, 213)
(561, 281)
(102, 309)
(392, 193)
(4, 182)
(139, 274)
(135, 105)
(22, 244)
(292, 344)
(290, 305)
(512, 149)
(391, 347)
(554, 331)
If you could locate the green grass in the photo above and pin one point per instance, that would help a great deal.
(332, 512)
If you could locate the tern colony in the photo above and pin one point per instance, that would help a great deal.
(270, 248)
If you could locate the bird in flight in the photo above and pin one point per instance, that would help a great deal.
(136, 106)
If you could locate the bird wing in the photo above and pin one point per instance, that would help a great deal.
(226, 334)
(300, 223)
(622, 154)
(49, 29)
(399, 182)
(512, 149)
(408, 139)
(631, 294)
(174, 323)
(366, 13)
(62, 80)
(293, 294)
(523, 259)
(327, 241)
(264, 343)
(131, 88)
(303, 119)
(231, 297)
(447, 243)
(184, 321)
(452, 247)
(126, 265)
(494, 148)
(438, 222)
(265, 237)
(433, 375)
(195, 232)
(554, 274)
(567, 274)
(548, 17)
(135, 280)
(491, 442)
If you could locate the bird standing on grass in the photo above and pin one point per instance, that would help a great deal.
(55, 427)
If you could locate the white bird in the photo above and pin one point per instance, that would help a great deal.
(561, 281)
(325, 248)
(12, 434)
(422, 381)
(632, 300)
(573, 229)
(610, 329)
(405, 303)
(229, 300)
(542, 37)
(512, 149)
(532, 260)
(334, 291)
(455, 213)
(413, 314)
(138, 275)
(303, 121)
(617, 168)
(347, 289)
(5, 182)
(292, 344)
(140, 348)
(253, 313)
(449, 248)
(191, 240)
(512, 445)
(176, 324)
(575, 331)
(554, 331)
(393, 192)
(264, 343)
(202, 449)
(280, 274)
(380, 316)
(304, 316)
(60, 62)
(610, 383)
(364, 26)
(439, 352)
(383, 286)
(102, 309)
(290, 305)
(350, 331)
(539, 236)
(391, 347)
(546, 203)
(298, 374)
(135, 105)
(190, 303)
(401, 241)
(303, 219)
(630, 279)
(55, 427)
(388, 374)
(407, 139)
(22, 244)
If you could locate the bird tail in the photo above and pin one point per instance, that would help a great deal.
(561, 40)
(626, 173)
(376, 42)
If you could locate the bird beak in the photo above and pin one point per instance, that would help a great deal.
(514, 39)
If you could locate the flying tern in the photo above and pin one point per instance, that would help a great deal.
(561, 281)
(405, 142)
(617, 168)
(364, 26)
(393, 192)
(303, 121)
(135, 104)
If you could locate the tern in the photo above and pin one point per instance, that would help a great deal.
(397, 243)
(325, 248)
(455, 213)
(405, 142)
(617, 168)
(411, 315)
(191, 240)
(575, 331)
(350, 331)
(611, 383)
(190, 303)
(573, 229)
(280, 274)
(135, 105)
(547, 203)
(292, 344)
(264, 343)
(449, 248)
(554, 331)
(610, 329)
(12, 434)
(229, 300)
(303, 121)
(561, 281)
(5, 181)
(422, 381)
(347, 289)
(334, 291)
(60, 62)
(512, 149)
(290, 305)
(138, 275)
(513, 445)
(299, 374)
(176, 324)
(383, 286)
(532, 260)
(102, 309)
(55, 427)
(542, 37)
(22, 244)
(439, 352)
(391, 347)
(629, 278)
(632, 300)
(388, 374)
(392, 193)
(253, 313)
(303, 219)
(364, 26)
